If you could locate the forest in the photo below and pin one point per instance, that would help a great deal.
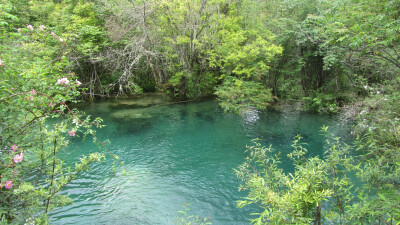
(331, 56)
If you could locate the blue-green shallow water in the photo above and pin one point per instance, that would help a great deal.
(177, 154)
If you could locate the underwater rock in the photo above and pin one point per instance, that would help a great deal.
(141, 101)
(128, 114)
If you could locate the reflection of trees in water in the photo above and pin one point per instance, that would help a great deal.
(191, 148)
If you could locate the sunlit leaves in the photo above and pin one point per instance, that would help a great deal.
(290, 198)
(240, 96)
(315, 190)
(242, 52)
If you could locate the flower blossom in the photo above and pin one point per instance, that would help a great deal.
(33, 92)
(52, 33)
(51, 104)
(19, 30)
(63, 81)
(2, 63)
(41, 27)
(14, 148)
(29, 27)
(18, 158)
(78, 82)
(72, 133)
(8, 184)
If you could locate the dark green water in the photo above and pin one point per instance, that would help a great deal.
(177, 154)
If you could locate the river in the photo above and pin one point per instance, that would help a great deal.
(177, 154)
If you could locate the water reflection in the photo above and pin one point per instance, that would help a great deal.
(251, 116)
(177, 154)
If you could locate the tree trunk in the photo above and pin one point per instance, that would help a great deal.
(182, 87)
(317, 220)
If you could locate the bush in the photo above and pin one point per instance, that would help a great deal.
(240, 96)
(341, 188)
(33, 89)
(321, 102)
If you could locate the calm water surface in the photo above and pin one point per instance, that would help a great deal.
(177, 154)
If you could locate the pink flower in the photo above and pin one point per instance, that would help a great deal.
(51, 104)
(33, 92)
(77, 81)
(29, 27)
(18, 158)
(19, 30)
(14, 148)
(8, 184)
(41, 27)
(52, 33)
(72, 133)
(63, 81)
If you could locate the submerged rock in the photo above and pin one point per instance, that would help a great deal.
(142, 101)
(141, 113)
(287, 106)
(140, 107)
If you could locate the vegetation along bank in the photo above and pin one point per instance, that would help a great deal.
(329, 54)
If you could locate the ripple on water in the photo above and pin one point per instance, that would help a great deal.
(177, 154)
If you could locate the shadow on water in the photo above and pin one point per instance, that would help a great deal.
(177, 154)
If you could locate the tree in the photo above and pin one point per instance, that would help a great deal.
(34, 87)
(166, 43)
(183, 45)
(368, 36)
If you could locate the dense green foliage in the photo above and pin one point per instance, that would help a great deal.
(240, 96)
(35, 121)
(335, 53)
(341, 188)
(328, 54)
(297, 198)
(322, 51)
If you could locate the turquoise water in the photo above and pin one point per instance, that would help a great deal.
(177, 154)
